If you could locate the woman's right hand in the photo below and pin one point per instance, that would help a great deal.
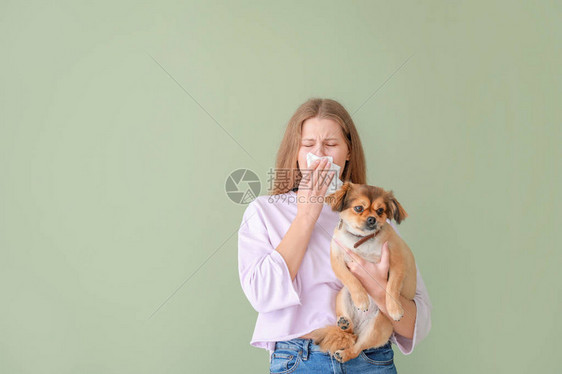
(311, 192)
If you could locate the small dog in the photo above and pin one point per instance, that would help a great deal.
(363, 229)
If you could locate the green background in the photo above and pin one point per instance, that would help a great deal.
(120, 122)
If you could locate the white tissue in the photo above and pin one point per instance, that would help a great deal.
(336, 182)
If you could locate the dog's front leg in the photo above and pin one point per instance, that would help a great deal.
(394, 285)
(358, 293)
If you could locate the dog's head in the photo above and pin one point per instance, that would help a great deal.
(365, 208)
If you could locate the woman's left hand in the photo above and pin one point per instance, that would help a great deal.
(373, 276)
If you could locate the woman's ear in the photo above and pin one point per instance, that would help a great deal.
(337, 199)
(395, 210)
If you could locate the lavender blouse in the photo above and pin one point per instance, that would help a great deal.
(288, 309)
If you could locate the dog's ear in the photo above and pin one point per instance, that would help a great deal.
(395, 210)
(337, 199)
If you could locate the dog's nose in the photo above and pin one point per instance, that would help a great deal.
(371, 221)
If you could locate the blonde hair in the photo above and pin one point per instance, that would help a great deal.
(287, 155)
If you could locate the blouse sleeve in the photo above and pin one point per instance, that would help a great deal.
(423, 316)
(264, 274)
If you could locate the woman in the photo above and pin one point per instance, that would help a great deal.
(284, 252)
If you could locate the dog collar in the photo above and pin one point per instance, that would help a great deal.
(359, 242)
(364, 239)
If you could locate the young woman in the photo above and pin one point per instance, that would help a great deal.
(284, 252)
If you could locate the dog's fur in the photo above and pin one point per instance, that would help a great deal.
(360, 324)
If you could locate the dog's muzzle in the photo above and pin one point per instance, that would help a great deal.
(371, 223)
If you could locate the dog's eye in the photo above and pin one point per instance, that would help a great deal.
(358, 208)
(380, 211)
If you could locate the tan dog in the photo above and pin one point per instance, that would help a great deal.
(363, 229)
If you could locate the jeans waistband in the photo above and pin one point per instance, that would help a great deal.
(307, 345)
(297, 343)
(303, 346)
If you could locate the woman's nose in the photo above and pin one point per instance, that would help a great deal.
(319, 151)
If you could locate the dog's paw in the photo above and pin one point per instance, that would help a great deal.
(395, 311)
(343, 323)
(361, 301)
(338, 355)
(397, 317)
(344, 355)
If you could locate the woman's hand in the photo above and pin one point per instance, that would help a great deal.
(312, 189)
(373, 276)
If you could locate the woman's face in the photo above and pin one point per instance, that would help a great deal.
(323, 137)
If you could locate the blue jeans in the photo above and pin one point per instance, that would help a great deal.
(303, 356)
